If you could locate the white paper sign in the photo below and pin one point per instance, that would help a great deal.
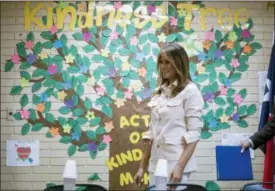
(236, 139)
(22, 153)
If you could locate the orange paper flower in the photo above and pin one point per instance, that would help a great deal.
(142, 72)
(247, 49)
(40, 107)
(229, 44)
(54, 131)
(206, 44)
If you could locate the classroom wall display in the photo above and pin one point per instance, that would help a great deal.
(102, 70)
(22, 153)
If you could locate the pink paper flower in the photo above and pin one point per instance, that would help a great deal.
(114, 35)
(107, 139)
(15, 58)
(235, 63)
(174, 21)
(209, 35)
(238, 99)
(53, 29)
(25, 114)
(29, 45)
(245, 33)
(87, 36)
(117, 5)
(134, 41)
(100, 90)
(128, 94)
(223, 90)
(52, 69)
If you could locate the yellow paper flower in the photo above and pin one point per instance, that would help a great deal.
(43, 55)
(119, 103)
(104, 52)
(200, 68)
(24, 82)
(69, 59)
(181, 12)
(91, 81)
(125, 66)
(67, 128)
(90, 115)
(62, 95)
(137, 86)
(162, 37)
(187, 25)
(232, 36)
(224, 119)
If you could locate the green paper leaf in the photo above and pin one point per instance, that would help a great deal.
(222, 78)
(17, 116)
(47, 45)
(101, 146)
(83, 148)
(236, 76)
(49, 117)
(24, 100)
(229, 110)
(171, 37)
(142, 39)
(47, 107)
(251, 109)
(46, 35)
(107, 111)
(37, 127)
(20, 47)
(8, 66)
(230, 92)
(64, 110)
(220, 101)
(131, 29)
(100, 130)
(78, 111)
(36, 87)
(25, 75)
(37, 48)
(104, 40)
(30, 36)
(16, 90)
(218, 35)
(88, 104)
(242, 123)
(25, 65)
(71, 150)
(78, 36)
(81, 121)
(205, 135)
(66, 139)
(25, 129)
(124, 51)
(146, 49)
(73, 69)
(38, 73)
(62, 121)
(95, 121)
(49, 135)
(93, 154)
(91, 134)
(242, 110)
(89, 48)
(219, 113)
(243, 93)
(256, 45)
(80, 89)
(32, 114)
(94, 177)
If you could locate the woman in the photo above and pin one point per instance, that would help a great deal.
(175, 124)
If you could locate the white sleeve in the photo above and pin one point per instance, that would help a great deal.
(193, 107)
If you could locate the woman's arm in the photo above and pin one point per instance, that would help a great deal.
(186, 154)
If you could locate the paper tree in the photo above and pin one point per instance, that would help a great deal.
(119, 65)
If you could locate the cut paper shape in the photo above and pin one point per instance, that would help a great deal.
(22, 153)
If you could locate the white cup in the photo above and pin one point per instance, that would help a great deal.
(70, 170)
(161, 168)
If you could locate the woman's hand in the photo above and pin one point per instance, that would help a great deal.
(176, 176)
(139, 176)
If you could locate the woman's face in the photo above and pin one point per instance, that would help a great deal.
(166, 68)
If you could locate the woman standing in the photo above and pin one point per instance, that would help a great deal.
(175, 125)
